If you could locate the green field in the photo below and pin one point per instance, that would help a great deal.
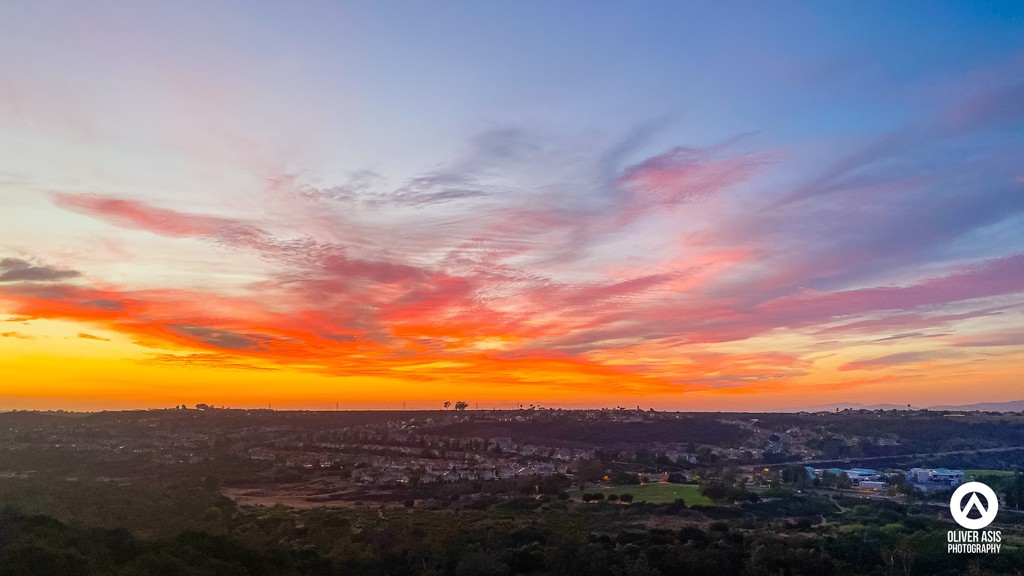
(979, 473)
(654, 493)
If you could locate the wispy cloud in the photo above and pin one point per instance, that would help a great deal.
(684, 175)
(891, 360)
(140, 215)
(1007, 337)
(221, 361)
(18, 270)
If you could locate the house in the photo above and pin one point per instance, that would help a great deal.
(947, 476)
(503, 442)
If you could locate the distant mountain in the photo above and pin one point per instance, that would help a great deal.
(1013, 406)
(854, 406)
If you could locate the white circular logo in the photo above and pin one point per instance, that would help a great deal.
(959, 509)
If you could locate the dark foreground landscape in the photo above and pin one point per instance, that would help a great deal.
(465, 492)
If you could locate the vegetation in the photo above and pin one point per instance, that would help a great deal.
(31, 545)
(978, 474)
(92, 528)
(653, 493)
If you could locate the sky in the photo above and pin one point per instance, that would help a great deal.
(677, 205)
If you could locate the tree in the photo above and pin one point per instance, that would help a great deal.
(588, 471)
(447, 405)
(899, 558)
(554, 484)
(715, 489)
(705, 455)
(898, 484)
(478, 562)
(721, 491)
(460, 405)
(622, 477)
(796, 475)
(1014, 492)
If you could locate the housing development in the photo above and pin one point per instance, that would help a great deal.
(355, 454)
(512, 491)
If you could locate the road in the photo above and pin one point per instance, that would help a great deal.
(912, 455)
(864, 495)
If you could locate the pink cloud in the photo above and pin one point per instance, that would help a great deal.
(989, 278)
(891, 360)
(905, 322)
(1008, 337)
(683, 175)
(140, 215)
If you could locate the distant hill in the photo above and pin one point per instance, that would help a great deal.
(854, 406)
(1012, 406)
(41, 419)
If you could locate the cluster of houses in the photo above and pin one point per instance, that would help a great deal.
(385, 457)
(924, 479)
(413, 452)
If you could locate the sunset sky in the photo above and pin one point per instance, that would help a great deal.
(674, 205)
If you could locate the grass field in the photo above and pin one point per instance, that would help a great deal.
(979, 473)
(654, 493)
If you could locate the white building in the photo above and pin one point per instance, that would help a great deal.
(863, 474)
(935, 478)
